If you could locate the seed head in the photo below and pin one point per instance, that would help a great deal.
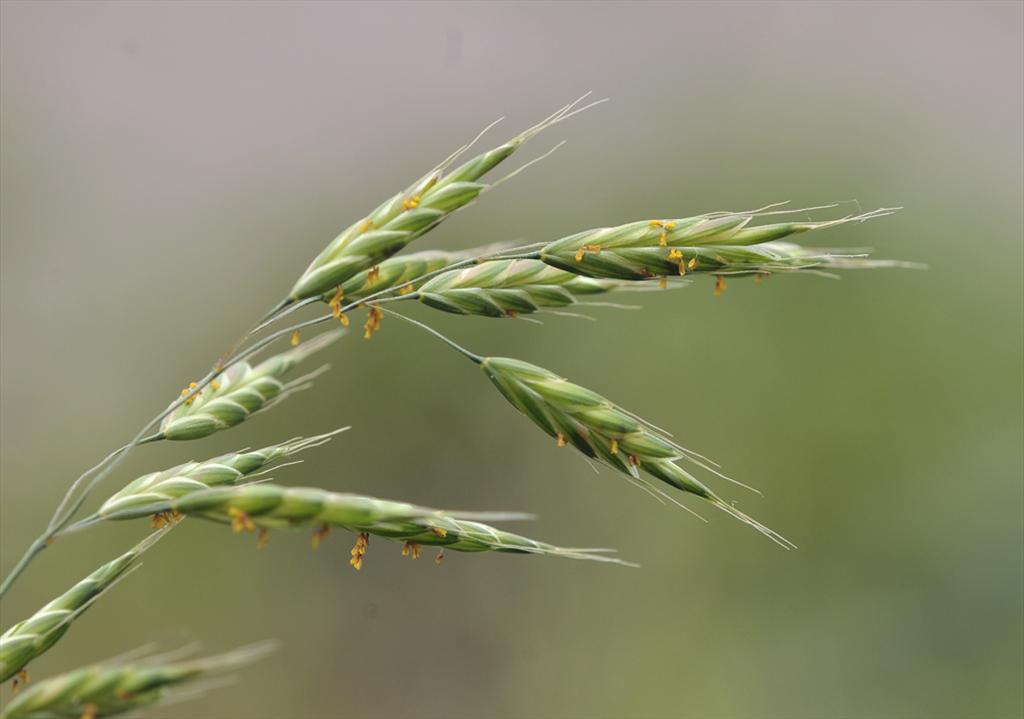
(30, 638)
(272, 506)
(116, 687)
(241, 391)
(408, 215)
(717, 243)
(226, 469)
(602, 430)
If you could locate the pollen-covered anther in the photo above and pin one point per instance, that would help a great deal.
(296, 336)
(91, 711)
(240, 521)
(439, 559)
(412, 549)
(320, 534)
(263, 538)
(615, 446)
(676, 255)
(366, 225)
(412, 203)
(666, 227)
(373, 318)
(442, 533)
(407, 289)
(720, 286)
(185, 392)
(373, 275)
(663, 283)
(215, 385)
(582, 252)
(335, 305)
(359, 551)
(561, 440)
(692, 264)
(20, 680)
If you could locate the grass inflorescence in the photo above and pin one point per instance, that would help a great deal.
(361, 267)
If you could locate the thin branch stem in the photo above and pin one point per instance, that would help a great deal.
(477, 359)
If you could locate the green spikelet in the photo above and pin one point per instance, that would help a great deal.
(269, 506)
(116, 687)
(602, 430)
(240, 392)
(32, 637)
(720, 244)
(508, 288)
(408, 215)
(227, 469)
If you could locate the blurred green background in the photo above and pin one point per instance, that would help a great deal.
(169, 168)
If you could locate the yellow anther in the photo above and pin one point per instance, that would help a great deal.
(320, 534)
(373, 275)
(412, 203)
(582, 252)
(406, 289)
(412, 549)
(162, 519)
(373, 318)
(184, 392)
(91, 711)
(215, 385)
(665, 228)
(439, 558)
(442, 533)
(366, 225)
(263, 538)
(240, 521)
(692, 264)
(663, 283)
(295, 338)
(720, 286)
(20, 680)
(561, 440)
(615, 446)
(675, 254)
(359, 551)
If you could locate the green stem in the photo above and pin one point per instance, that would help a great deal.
(451, 343)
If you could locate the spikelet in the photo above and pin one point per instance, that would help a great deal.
(240, 392)
(408, 215)
(253, 506)
(717, 243)
(227, 469)
(574, 415)
(509, 288)
(31, 637)
(119, 686)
